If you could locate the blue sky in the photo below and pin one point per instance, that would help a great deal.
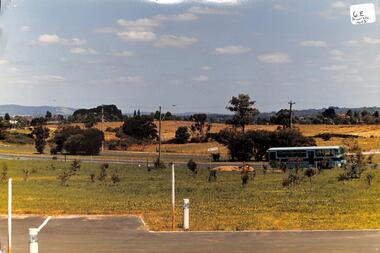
(139, 54)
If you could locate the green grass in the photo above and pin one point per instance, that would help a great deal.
(223, 205)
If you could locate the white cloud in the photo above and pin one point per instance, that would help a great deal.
(77, 42)
(313, 43)
(145, 24)
(25, 28)
(351, 43)
(137, 36)
(206, 68)
(50, 78)
(175, 41)
(232, 50)
(201, 78)
(54, 39)
(207, 11)
(275, 58)
(339, 5)
(337, 55)
(49, 39)
(280, 7)
(335, 10)
(13, 70)
(371, 41)
(377, 60)
(335, 68)
(124, 53)
(82, 51)
(179, 17)
(221, 2)
(3, 61)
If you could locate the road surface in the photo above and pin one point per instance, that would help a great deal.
(128, 235)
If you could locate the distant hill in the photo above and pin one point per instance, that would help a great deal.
(20, 110)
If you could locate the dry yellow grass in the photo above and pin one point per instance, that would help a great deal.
(369, 135)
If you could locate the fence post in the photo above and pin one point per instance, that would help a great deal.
(186, 214)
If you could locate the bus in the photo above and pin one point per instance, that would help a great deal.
(305, 157)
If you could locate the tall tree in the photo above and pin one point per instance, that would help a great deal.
(40, 135)
(244, 112)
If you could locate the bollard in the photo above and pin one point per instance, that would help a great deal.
(186, 214)
(33, 240)
(33, 236)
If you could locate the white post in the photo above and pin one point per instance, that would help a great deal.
(33, 236)
(173, 197)
(186, 215)
(33, 240)
(10, 215)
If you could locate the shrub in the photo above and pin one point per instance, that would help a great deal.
(193, 166)
(26, 173)
(369, 178)
(212, 175)
(310, 172)
(103, 172)
(64, 177)
(115, 177)
(4, 173)
(182, 135)
(74, 167)
(76, 141)
(291, 179)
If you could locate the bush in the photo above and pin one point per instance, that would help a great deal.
(103, 172)
(310, 172)
(141, 127)
(291, 179)
(193, 166)
(369, 178)
(115, 178)
(4, 173)
(26, 173)
(64, 177)
(182, 135)
(76, 141)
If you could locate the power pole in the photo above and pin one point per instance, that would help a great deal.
(291, 103)
(159, 136)
(103, 127)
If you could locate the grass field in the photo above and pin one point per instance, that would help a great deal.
(223, 205)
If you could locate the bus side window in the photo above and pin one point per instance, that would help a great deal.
(272, 155)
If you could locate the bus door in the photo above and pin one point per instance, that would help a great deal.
(311, 155)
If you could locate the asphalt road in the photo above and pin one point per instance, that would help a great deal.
(177, 159)
(127, 234)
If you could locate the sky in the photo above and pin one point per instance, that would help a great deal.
(188, 55)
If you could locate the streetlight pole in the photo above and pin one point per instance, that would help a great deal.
(291, 103)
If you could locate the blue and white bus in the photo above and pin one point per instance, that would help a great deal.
(305, 157)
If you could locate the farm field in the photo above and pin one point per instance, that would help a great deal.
(323, 203)
(368, 138)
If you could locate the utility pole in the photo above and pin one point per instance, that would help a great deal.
(159, 136)
(103, 127)
(291, 103)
